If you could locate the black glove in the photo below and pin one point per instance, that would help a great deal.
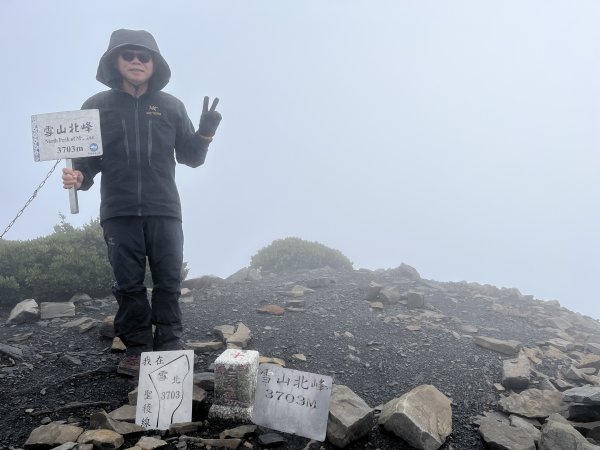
(210, 119)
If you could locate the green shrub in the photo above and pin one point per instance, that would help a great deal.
(54, 267)
(292, 253)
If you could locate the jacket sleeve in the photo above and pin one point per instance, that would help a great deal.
(89, 166)
(190, 148)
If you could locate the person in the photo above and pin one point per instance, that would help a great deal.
(144, 132)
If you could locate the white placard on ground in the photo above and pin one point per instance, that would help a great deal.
(66, 135)
(292, 401)
(165, 389)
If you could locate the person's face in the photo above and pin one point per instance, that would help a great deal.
(135, 65)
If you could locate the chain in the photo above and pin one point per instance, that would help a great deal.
(35, 193)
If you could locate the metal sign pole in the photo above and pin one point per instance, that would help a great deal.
(73, 202)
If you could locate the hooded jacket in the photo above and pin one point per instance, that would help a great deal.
(142, 138)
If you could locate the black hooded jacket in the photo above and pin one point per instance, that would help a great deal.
(141, 139)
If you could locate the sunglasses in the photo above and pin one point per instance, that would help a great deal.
(142, 57)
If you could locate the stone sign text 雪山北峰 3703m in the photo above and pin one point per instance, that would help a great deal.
(292, 401)
(68, 134)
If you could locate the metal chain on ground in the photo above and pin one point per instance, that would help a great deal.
(35, 193)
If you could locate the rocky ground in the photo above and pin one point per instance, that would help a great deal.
(358, 327)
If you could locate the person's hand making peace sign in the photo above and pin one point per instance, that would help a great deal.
(210, 119)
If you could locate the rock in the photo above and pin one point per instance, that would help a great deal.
(104, 439)
(415, 300)
(54, 310)
(583, 412)
(561, 344)
(593, 347)
(390, 294)
(469, 329)
(203, 282)
(107, 328)
(213, 443)
(53, 435)
(150, 443)
(238, 432)
(23, 312)
(203, 347)
(271, 440)
(533, 403)
(274, 310)
(585, 394)
(117, 345)
(241, 337)
(101, 420)
(372, 291)
(562, 436)
(80, 298)
(406, 271)
(205, 380)
(125, 413)
(224, 332)
(422, 417)
(349, 417)
(245, 274)
(508, 347)
(515, 372)
(299, 356)
(185, 427)
(502, 435)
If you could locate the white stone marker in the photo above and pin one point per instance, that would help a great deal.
(292, 401)
(235, 383)
(165, 389)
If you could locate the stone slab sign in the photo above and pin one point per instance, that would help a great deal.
(68, 134)
(235, 384)
(165, 389)
(292, 401)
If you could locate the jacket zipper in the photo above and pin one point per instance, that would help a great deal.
(126, 140)
(150, 142)
(138, 154)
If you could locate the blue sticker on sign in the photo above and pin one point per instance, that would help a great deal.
(93, 147)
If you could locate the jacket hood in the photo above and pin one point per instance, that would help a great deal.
(107, 71)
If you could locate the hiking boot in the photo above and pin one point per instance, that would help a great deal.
(129, 365)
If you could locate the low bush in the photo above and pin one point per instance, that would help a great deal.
(292, 253)
(53, 268)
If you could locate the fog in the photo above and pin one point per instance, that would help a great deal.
(458, 137)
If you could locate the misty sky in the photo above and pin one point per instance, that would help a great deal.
(459, 137)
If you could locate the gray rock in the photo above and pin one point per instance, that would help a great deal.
(224, 332)
(422, 417)
(349, 417)
(561, 344)
(562, 436)
(320, 282)
(245, 274)
(515, 372)
(54, 310)
(241, 337)
(593, 347)
(202, 347)
(125, 413)
(585, 394)
(415, 300)
(390, 294)
(23, 312)
(205, 380)
(579, 412)
(107, 328)
(503, 436)
(104, 439)
(507, 347)
(53, 435)
(150, 443)
(102, 420)
(533, 403)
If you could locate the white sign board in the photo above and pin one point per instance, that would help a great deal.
(66, 135)
(165, 389)
(292, 401)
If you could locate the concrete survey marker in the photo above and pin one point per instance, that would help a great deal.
(165, 389)
(235, 384)
(66, 135)
(292, 401)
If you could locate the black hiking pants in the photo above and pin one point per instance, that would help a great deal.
(130, 241)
